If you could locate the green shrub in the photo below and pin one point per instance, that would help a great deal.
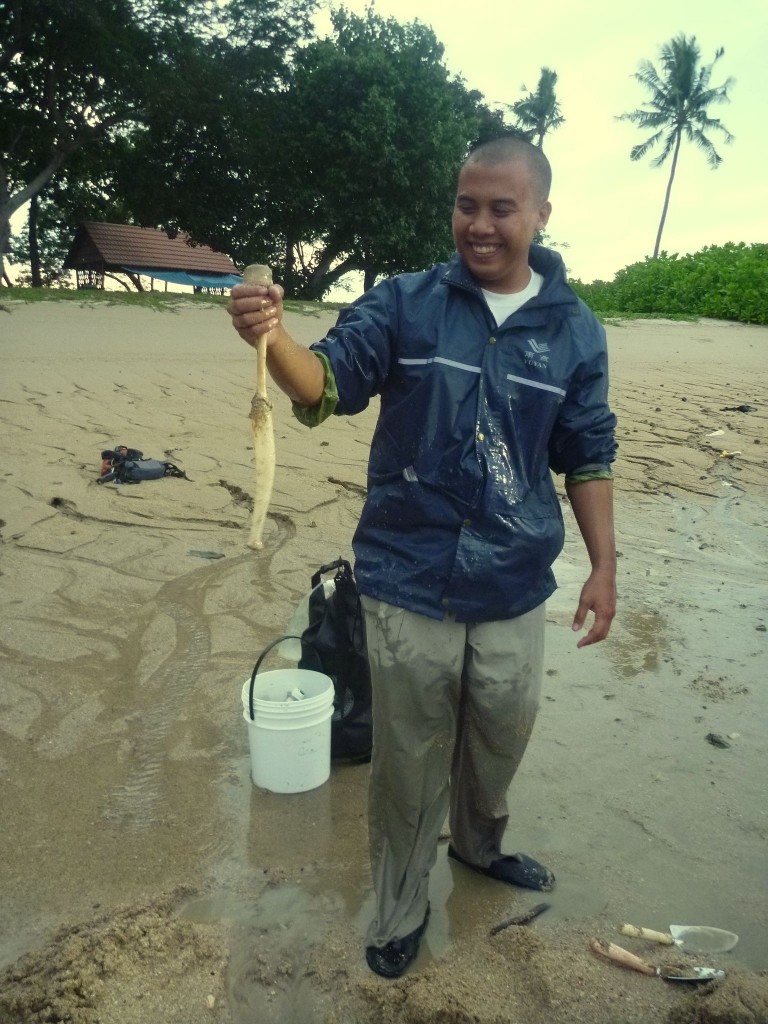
(725, 282)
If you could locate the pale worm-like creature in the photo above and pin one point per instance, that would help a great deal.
(622, 957)
(261, 424)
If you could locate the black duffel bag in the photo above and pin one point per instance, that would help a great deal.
(335, 636)
(333, 642)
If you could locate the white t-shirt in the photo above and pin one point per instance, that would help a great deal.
(503, 305)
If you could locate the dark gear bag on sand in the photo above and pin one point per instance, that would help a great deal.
(336, 636)
(128, 466)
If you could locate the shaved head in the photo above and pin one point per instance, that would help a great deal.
(508, 148)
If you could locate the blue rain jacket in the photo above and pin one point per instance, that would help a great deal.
(462, 516)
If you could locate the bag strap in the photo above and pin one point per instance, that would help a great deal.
(340, 563)
(354, 629)
(265, 652)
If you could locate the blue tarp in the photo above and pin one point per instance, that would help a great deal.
(193, 280)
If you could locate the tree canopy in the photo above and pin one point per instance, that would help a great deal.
(680, 96)
(373, 130)
(349, 164)
(76, 75)
(319, 156)
(70, 72)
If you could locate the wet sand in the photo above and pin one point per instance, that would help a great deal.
(145, 879)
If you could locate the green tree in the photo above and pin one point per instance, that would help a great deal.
(539, 112)
(39, 247)
(204, 155)
(372, 131)
(83, 189)
(70, 72)
(680, 95)
(76, 76)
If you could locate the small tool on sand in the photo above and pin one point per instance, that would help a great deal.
(261, 423)
(690, 938)
(674, 972)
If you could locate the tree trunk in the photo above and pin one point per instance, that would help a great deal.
(330, 279)
(324, 265)
(135, 280)
(6, 210)
(34, 247)
(369, 277)
(9, 204)
(669, 190)
(119, 280)
(288, 273)
(5, 238)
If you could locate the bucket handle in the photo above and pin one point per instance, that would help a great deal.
(265, 652)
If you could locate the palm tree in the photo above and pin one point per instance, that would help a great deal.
(539, 112)
(680, 95)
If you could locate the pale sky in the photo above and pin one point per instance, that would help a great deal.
(606, 207)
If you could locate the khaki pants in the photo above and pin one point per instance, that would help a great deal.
(453, 708)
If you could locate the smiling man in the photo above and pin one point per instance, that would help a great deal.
(492, 375)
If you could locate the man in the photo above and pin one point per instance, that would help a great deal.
(491, 373)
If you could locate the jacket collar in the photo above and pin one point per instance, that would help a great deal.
(554, 292)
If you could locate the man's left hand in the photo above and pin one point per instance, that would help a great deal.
(598, 595)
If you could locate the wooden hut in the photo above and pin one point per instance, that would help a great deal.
(98, 249)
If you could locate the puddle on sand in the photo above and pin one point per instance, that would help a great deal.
(271, 943)
(638, 641)
(273, 935)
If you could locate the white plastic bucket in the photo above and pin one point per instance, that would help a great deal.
(289, 738)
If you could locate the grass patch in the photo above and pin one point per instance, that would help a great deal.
(168, 302)
(613, 318)
(172, 302)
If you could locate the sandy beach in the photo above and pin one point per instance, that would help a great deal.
(145, 880)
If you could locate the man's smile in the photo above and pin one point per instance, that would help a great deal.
(484, 249)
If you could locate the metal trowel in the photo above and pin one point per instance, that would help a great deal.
(669, 972)
(691, 938)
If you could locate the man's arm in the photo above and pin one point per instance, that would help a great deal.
(592, 504)
(256, 310)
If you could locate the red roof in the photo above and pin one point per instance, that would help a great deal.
(120, 245)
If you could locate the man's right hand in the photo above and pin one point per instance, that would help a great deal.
(255, 310)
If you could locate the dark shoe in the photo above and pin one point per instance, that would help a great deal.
(516, 869)
(396, 957)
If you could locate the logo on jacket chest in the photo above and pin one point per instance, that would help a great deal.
(537, 354)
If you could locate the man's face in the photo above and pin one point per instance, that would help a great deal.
(495, 216)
